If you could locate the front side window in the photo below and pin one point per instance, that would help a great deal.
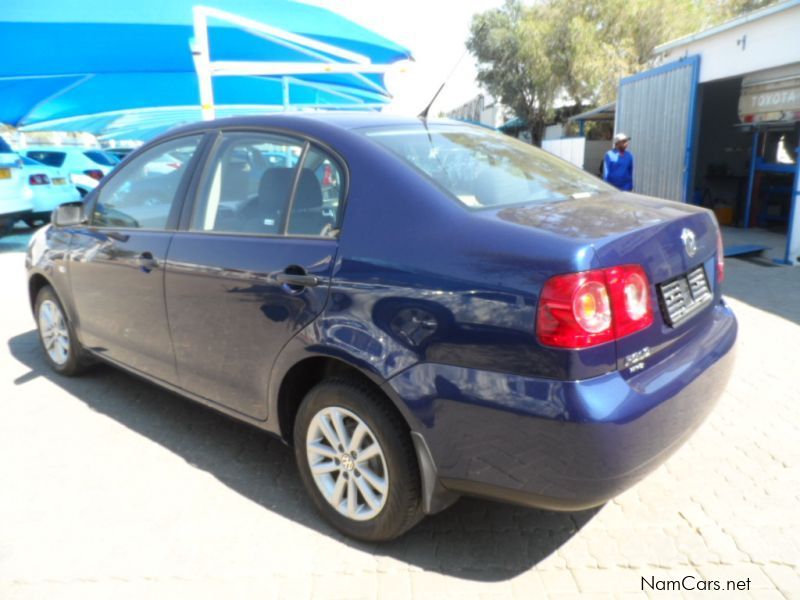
(142, 193)
(483, 168)
(249, 185)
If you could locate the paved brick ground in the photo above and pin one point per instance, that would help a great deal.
(111, 488)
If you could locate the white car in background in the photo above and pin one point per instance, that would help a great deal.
(84, 166)
(14, 205)
(47, 188)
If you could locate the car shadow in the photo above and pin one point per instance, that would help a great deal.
(473, 539)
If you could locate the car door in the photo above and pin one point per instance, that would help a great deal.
(252, 267)
(116, 262)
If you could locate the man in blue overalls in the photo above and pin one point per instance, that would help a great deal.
(618, 164)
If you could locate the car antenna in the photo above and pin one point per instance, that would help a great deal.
(424, 114)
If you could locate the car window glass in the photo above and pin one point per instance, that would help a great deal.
(248, 184)
(484, 168)
(101, 158)
(142, 193)
(51, 159)
(318, 198)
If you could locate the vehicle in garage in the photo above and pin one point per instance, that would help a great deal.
(47, 188)
(464, 314)
(14, 205)
(84, 166)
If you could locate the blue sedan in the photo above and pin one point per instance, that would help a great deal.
(422, 309)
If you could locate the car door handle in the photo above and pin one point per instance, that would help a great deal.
(146, 262)
(297, 280)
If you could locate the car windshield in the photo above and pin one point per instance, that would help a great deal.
(102, 158)
(482, 168)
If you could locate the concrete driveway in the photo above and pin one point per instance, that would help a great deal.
(112, 488)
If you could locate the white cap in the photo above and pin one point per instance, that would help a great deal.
(620, 137)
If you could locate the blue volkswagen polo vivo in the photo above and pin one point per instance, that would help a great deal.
(422, 309)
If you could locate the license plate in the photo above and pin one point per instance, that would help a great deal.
(58, 180)
(5, 173)
(685, 296)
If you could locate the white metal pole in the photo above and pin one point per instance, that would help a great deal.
(202, 62)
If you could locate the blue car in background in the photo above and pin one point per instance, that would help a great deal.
(456, 313)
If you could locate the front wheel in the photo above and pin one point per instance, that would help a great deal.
(61, 348)
(357, 461)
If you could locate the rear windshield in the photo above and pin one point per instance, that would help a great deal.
(102, 158)
(51, 159)
(483, 168)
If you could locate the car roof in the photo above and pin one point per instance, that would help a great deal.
(351, 120)
(38, 148)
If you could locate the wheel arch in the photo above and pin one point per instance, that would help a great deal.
(35, 283)
(298, 379)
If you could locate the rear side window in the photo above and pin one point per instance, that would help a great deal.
(101, 158)
(249, 184)
(142, 193)
(51, 159)
(483, 168)
(4, 147)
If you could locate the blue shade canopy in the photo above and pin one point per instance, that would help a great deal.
(119, 68)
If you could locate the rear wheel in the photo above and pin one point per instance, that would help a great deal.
(61, 348)
(357, 461)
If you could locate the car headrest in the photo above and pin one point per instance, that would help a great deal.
(276, 184)
(309, 192)
(274, 188)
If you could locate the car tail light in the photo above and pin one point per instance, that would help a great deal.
(94, 174)
(39, 179)
(579, 310)
(630, 297)
(720, 258)
(327, 175)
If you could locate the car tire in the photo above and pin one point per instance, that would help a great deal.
(62, 351)
(393, 508)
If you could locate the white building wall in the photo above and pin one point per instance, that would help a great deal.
(764, 43)
(571, 149)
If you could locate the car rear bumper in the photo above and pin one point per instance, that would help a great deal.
(565, 445)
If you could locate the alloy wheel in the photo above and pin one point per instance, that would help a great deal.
(347, 463)
(54, 332)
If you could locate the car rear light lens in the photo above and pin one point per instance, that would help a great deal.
(591, 308)
(720, 258)
(39, 179)
(579, 310)
(94, 174)
(630, 297)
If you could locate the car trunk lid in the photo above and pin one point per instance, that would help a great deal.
(675, 243)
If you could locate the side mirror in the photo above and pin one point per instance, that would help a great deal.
(68, 215)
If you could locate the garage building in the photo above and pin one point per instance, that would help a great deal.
(716, 122)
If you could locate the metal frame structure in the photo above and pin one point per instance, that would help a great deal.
(323, 58)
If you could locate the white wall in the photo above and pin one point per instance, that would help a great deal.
(594, 154)
(768, 42)
(571, 149)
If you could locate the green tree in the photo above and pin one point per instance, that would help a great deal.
(572, 53)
